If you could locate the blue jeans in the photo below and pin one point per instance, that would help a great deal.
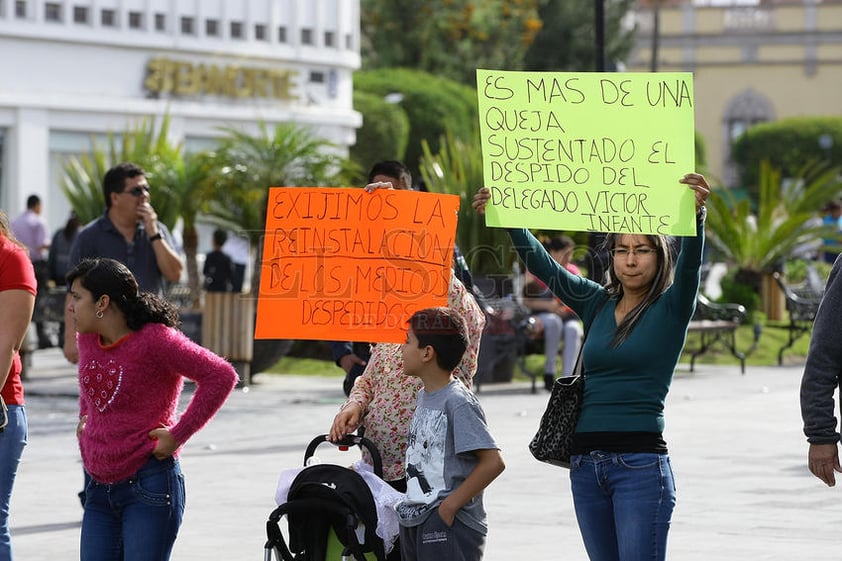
(624, 504)
(136, 519)
(12, 442)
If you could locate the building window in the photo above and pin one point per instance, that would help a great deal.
(187, 25)
(80, 14)
(108, 18)
(160, 22)
(317, 77)
(282, 34)
(306, 36)
(349, 41)
(747, 18)
(20, 9)
(260, 32)
(330, 38)
(52, 12)
(212, 28)
(236, 30)
(135, 20)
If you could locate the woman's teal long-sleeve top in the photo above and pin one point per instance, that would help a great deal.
(625, 386)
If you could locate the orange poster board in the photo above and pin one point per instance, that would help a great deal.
(348, 265)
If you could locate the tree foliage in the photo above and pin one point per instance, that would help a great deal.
(450, 38)
(433, 105)
(566, 41)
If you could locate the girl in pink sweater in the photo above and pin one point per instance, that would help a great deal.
(132, 362)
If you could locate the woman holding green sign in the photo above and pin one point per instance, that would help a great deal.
(620, 474)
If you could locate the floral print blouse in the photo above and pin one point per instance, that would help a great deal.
(387, 397)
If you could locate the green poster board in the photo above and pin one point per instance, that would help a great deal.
(596, 152)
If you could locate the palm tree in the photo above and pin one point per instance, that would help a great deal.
(756, 241)
(143, 144)
(189, 185)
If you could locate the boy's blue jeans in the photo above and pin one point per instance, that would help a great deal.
(137, 519)
(12, 442)
(624, 504)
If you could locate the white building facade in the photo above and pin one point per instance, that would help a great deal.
(71, 72)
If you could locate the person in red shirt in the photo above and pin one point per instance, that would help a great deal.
(17, 300)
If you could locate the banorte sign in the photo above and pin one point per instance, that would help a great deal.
(182, 78)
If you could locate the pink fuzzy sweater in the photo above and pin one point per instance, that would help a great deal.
(131, 387)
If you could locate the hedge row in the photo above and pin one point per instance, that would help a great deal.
(432, 106)
(789, 145)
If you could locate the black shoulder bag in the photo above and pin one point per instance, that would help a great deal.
(554, 439)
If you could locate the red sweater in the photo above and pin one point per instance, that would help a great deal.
(16, 273)
(131, 387)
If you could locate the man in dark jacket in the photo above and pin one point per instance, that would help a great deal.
(821, 380)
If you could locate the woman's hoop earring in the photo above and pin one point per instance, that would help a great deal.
(99, 314)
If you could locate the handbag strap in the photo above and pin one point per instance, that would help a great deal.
(578, 369)
(4, 414)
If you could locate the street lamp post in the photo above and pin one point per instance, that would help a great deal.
(656, 34)
(599, 35)
(599, 257)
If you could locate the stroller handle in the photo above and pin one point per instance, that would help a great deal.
(348, 440)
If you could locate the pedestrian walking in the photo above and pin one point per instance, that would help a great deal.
(820, 382)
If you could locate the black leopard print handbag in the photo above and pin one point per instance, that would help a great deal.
(554, 439)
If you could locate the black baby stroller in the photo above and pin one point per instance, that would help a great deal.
(325, 502)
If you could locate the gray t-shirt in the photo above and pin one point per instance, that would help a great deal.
(448, 425)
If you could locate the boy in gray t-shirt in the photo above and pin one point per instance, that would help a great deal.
(451, 455)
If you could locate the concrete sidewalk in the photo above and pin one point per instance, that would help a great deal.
(744, 492)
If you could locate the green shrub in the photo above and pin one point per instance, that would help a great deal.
(788, 144)
(701, 152)
(433, 105)
(383, 135)
(795, 270)
(736, 292)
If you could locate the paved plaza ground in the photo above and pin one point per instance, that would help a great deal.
(744, 492)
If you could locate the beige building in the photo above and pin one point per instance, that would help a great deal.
(753, 61)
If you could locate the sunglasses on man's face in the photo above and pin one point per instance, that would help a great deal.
(137, 191)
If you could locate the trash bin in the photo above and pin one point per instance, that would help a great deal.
(497, 358)
(498, 351)
(228, 329)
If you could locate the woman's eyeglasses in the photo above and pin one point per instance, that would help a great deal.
(137, 191)
(620, 252)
